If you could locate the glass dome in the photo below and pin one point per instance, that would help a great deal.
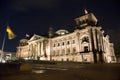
(62, 32)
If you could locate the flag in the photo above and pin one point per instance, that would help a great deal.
(11, 35)
(86, 12)
(27, 35)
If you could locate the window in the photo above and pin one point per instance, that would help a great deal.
(74, 50)
(54, 45)
(67, 59)
(58, 44)
(73, 41)
(113, 58)
(58, 52)
(85, 39)
(68, 51)
(86, 49)
(68, 42)
(63, 43)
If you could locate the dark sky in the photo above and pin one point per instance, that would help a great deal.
(36, 16)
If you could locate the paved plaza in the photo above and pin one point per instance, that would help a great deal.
(67, 71)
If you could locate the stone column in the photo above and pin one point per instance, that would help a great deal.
(50, 49)
(20, 53)
(80, 41)
(102, 44)
(32, 51)
(94, 39)
(65, 46)
(38, 50)
(94, 46)
(77, 42)
(42, 52)
(60, 47)
(44, 47)
(95, 35)
(71, 49)
(90, 41)
(28, 51)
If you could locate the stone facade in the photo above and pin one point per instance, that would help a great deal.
(87, 43)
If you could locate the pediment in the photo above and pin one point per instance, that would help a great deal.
(35, 37)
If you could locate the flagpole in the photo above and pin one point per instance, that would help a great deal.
(11, 35)
(3, 46)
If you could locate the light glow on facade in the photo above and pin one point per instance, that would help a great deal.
(87, 43)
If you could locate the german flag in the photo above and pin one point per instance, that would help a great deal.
(11, 35)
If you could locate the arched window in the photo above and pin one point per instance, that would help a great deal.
(86, 49)
(68, 51)
(73, 41)
(58, 44)
(68, 42)
(63, 43)
(85, 39)
(58, 51)
(74, 50)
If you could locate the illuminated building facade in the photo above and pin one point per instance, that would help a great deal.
(87, 43)
(8, 55)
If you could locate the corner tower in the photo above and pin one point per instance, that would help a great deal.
(88, 19)
(92, 40)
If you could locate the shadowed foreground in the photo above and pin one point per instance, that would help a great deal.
(68, 71)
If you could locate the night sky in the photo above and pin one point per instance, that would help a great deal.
(36, 16)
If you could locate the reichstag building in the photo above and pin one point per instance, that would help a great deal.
(87, 43)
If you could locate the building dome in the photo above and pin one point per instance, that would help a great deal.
(62, 32)
(23, 42)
